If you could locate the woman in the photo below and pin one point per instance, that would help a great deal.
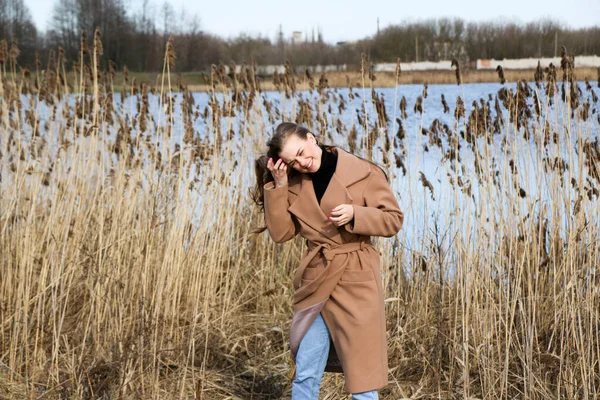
(336, 201)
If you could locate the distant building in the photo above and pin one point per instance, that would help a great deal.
(296, 37)
(346, 42)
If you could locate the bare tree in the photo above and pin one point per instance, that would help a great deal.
(17, 25)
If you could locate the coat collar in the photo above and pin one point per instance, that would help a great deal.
(349, 170)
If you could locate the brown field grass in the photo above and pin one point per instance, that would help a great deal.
(388, 79)
(195, 81)
(128, 267)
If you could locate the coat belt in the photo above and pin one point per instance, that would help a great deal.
(329, 252)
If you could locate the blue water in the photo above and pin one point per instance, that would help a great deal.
(423, 210)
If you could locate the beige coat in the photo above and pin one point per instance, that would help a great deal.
(339, 274)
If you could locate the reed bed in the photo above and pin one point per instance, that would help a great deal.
(128, 266)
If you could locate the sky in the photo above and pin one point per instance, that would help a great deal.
(342, 20)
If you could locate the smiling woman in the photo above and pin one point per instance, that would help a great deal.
(302, 154)
(336, 201)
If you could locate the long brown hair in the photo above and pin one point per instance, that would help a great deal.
(275, 145)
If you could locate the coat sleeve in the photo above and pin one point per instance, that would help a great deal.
(381, 215)
(282, 226)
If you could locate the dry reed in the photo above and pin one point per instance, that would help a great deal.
(128, 267)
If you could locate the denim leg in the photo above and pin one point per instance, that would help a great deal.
(370, 395)
(310, 361)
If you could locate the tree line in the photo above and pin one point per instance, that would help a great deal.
(137, 39)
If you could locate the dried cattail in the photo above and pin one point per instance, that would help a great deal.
(98, 50)
(398, 68)
(276, 80)
(563, 53)
(457, 70)
(323, 83)
(500, 71)
(551, 82)
(352, 136)
(51, 61)
(577, 205)
(459, 112)
(567, 64)
(573, 97)
(400, 163)
(426, 184)
(403, 107)
(46, 179)
(425, 90)
(83, 44)
(232, 70)
(418, 105)
(170, 54)
(288, 78)
(379, 102)
(445, 105)
(539, 74)
(522, 192)
(307, 74)
(134, 87)
(537, 104)
(584, 111)
(112, 67)
(363, 64)
(513, 167)
(419, 259)
(372, 76)
(401, 133)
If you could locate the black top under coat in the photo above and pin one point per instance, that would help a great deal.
(323, 175)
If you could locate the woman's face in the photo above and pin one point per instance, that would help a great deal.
(304, 155)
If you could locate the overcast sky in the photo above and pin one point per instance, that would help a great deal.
(350, 19)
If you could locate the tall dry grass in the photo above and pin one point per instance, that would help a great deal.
(128, 268)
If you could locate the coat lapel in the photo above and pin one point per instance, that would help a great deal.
(349, 170)
(306, 208)
(335, 194)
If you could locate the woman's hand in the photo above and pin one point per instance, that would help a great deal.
(279, 172)
(342, 214)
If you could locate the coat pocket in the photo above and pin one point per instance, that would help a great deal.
(361, 301)
(311, 272)
(351, 275)
(361, 269)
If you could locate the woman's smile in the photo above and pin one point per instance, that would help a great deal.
(304, 155)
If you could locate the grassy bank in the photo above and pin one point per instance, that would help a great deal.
(200, 82)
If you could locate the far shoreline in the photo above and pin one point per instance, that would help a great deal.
(194, 81)
(387, 79)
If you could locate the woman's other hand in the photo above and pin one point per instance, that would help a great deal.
(279, 172)
(342, 214)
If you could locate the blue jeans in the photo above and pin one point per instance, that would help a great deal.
(310, 364)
